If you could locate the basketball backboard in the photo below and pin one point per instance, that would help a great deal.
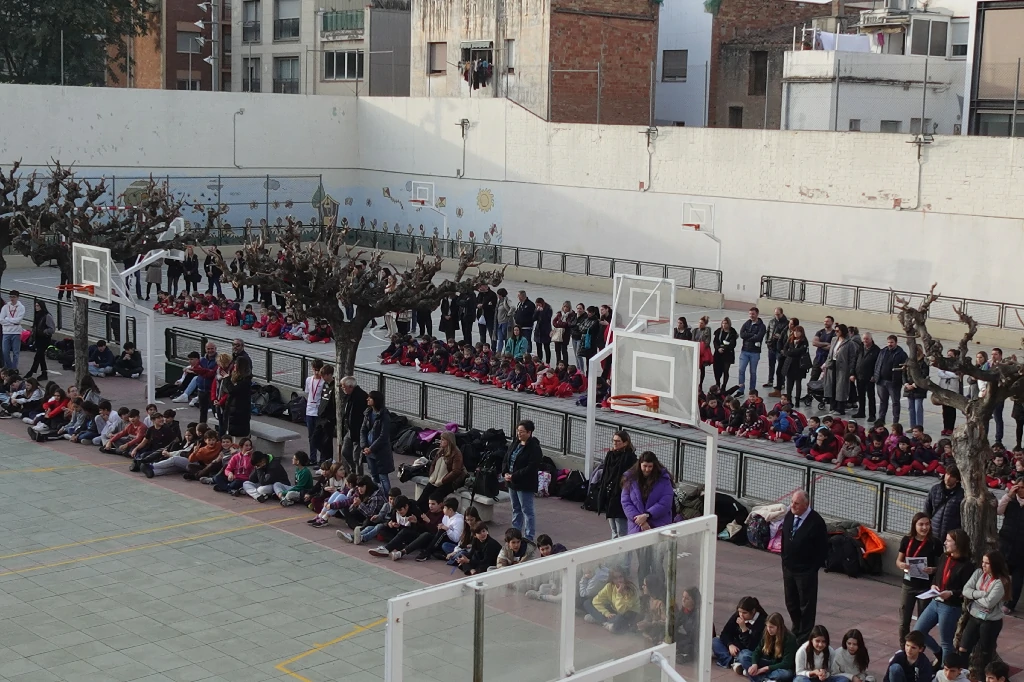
(92, 265)
(657, 375)
(702, 215)
(637, 299)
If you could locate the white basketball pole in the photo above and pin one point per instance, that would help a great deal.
(592, 374)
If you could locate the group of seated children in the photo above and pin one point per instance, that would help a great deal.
(751, 419)
(269, 322)
(480, 364)
(51, 411)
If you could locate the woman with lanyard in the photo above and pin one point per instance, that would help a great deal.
(986, 591)
(952, 573)
(314, 390)
(925, 550)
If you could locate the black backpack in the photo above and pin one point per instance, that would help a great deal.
(574, 487)
(296, 409)
(405, 442)
(843, 556)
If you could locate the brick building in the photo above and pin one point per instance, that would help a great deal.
(171, 55)
(573, 61)
(749, 39)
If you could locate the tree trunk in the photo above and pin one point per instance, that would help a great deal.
(81, 339)
(978, 513)
(346, 344)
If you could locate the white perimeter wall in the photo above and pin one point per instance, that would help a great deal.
(805, 204)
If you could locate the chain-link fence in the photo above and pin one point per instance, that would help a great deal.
(876, 93)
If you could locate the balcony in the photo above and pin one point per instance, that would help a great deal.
(286, 86)
(251, 85)
(251, 32)
(343, 25)
(286, 29)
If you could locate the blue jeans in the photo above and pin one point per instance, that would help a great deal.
(581, 363)
(997, 414)
(11, 350)
(370, 532)
(522, 512)
(747, 659)
(380, 479)
(916, 408)
(720, 652)
(620, 528)
(500, 334)
(748, 358)
(946, 617)
(888, 390)
(896, 673)
(311, 429)
(98, 371)
(192, 387)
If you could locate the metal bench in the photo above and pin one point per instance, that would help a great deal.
(483, 504)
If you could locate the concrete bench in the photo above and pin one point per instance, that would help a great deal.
(483, 504)
(268, 438)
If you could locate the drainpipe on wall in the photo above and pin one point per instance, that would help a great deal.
(652, 135)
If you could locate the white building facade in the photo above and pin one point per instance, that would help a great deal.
(684, 56)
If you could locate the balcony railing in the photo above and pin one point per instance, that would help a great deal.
(286, 86)
(251, 32)
(286, 29)
(251, 85)
(347, 20)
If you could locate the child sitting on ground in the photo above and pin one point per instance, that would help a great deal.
(782, 428)
(754, 425)
(901, 461)
(516, 549)
(322, 333)
(755, 403)
(713, 414)
(289, 495)
(998, 470)
(850, 452)
(825, 448)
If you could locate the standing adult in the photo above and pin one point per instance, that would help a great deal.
(352, 423)
(1011, 540)
(190, 268)
(327, 415)
(840, 365)
(796, 360)
(591, 338)
(174, 272)
(205, 372)
(985, 591)
(43, 328)
(561, 333)
(888, 377)
(952, 573)
(238, 350)
(154, 276)
(925, 551)
(467, 315)
(776, 334)
(542, 331)
(682, 330)
(752, 333)
(502, 318)
(804, 549)
(238, 410)
(375, 440)
(943, 504)
(137, 275)
(647, 494)
(519, 469)
(702, 337)
(211, 265)
(449, 318)
(725, 352)
(314, 392)
(237, 268)
(525, 312)
(11, 315)
(996, 358)
(486, 306)
(951, 381)
(577, 336)
(865, 370)
(915, 394)
(822, 341)
(619, 459)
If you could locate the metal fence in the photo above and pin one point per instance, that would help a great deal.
(745, 469)
(101, 324)
(869, 299)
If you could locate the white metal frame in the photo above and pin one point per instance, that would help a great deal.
(618, 351)
(81, 252)
(637, 319)
(567, 563)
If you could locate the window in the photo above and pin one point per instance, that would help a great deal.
(343, 66)
(187, 43)
(958, 38)
(437, 57)
(735, 117)
(854, 125)
(928, 38)
(510, 55)
(251, 16)
(673, 66)
(286, 75)
(757, 73)
(183, 84)
(915, 126)
(890, 126)
(251, 74)
(286, 19)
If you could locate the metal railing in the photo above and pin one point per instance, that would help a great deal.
(101, 324)
(251, 32)
(286, 29)
(869, 299)
(748, 469)
(286, 86)
(343, 20)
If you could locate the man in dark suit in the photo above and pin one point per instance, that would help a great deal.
(804, 548)
(355, 406)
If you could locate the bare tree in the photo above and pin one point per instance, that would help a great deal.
(43, 216)
(320, 277)
(971, 447)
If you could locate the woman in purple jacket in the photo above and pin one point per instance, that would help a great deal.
(647, 494)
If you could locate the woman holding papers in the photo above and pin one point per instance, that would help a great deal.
(952, 573)
(918, 555)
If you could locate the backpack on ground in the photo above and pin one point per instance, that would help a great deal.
(296, 408)
(406, 441)
(573, 487)
(167, 391)
(399, 423)
(759, 531)
(843, 555)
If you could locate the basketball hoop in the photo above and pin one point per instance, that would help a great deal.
(650, 402)
(421, 202)
(89, 289)
(695, 226)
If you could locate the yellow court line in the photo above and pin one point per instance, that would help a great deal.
(126, 550)
(57, 468)
(283, 665)
(133, 533)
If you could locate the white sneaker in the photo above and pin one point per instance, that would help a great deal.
(193, 402)
(136, 375)
(589, 619)
(180, 399)
(381, 551)
(67, 436)
(396, 555)
(357, 535)
(610, 627)
(28, 420)
(737, 668)
(41, 428)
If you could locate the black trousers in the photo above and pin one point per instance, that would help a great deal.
(981, 635)
(909, 602)
(867, 399)
(467, 330)
(801, 600)
(722, 365)
(562, 352)
(429, 490)
(39, 361)
(794, 388)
